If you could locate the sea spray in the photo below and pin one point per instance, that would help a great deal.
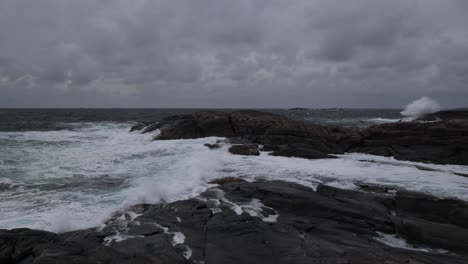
(75, 179)
(422, 106)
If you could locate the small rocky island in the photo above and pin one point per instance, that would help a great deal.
(440, 138)
(279, 222)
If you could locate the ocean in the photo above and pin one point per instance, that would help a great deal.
(68, 169)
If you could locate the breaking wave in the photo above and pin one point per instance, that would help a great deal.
(420, 107)
(74, 179)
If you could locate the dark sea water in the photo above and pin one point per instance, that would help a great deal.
(59, 119)
(67, 169)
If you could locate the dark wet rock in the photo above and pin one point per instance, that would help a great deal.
(269, 148)
(136, 127)
(377, 189)
(195, 125)
(151, 249)
(457, 115)
(150, 128)
(254, 127)
(140, 126)
(279, 141)
(456, 173)
(217, 145)
(256, 123)
(372, 202)
(433, 234)
(424, 168)
(226, 180)
(213, 146)
(438, 142)
(212, 203)
(239, 140)
(301, 153)
(430, 208)
(247, 149)
(259, 222)
(32, 246)
(443, 141)
(145, 230)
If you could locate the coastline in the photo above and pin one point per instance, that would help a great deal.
(264, 217)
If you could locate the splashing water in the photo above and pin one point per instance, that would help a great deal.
(422, 106)
(74, 179)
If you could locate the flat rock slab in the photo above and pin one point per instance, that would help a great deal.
(257, 222)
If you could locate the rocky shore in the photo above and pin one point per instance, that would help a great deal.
(440, 138)
(263, 222)
(236, 221)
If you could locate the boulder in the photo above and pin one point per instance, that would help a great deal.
(247, 149)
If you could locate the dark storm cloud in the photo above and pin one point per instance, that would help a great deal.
(220, 53)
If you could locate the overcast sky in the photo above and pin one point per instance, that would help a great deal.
(232, 53)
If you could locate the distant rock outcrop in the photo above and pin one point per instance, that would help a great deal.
(298, 109)
(440, 138)
(270, 130)
(195, 125)
(447, 116)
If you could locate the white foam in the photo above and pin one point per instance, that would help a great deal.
(132, 215)
(142, 170)
(178, 238)
(271, 218)
(397, 242)
(118, 237)
(350, 170)
(155, 133)
(342, 184)
(132, 168)
(188, 252)
(382, 120)
(254, 208)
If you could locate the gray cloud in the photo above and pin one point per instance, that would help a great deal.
(220, 53)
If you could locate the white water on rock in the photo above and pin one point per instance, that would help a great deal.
(68, 180)
(422, 106)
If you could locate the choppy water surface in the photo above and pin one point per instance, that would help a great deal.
(69, 169)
